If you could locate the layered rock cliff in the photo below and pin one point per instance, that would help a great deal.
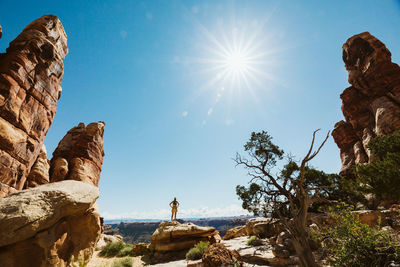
(371, 105)
(44, 222)
(79, 155)
(30, 84)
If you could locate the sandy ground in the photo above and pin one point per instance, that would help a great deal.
(237, 243)
(97, 261)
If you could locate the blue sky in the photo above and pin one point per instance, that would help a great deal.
(151, 70)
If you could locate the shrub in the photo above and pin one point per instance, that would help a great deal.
(126, 251)
(381, 177)
(254, 241)
(197, 251)
(352, 243)
(127, 262)
(113, 249)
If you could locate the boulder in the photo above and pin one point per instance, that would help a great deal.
(79, 155)
(371, 217)
(280, 251)
(105, 239)
(218, 255)
(263, 227)
(140, 249)
(371, 105)
(172, 240)
(50, 225)
(31, 72)
(260, 255)
(235, 232)
(282, 237)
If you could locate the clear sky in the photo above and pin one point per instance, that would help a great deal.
(182, 84)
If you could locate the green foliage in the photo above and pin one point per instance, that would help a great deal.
(126, 251)
(382, 176)
(116, 249)
(261, 197)
(254, 241)
(127, 262)
(261, 147)
(197, 251)
(353, 244)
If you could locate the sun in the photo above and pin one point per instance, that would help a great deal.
(234, 64)
(237, 61)
(236, 58)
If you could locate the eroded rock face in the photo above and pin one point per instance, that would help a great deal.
(39, 173)
(371, 105)
(172, 240)
(79, 155)
(6, 190)
(49, 225)
(263, 227)
(30, 84)
(235, 232)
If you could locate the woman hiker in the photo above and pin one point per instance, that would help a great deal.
(174, 205)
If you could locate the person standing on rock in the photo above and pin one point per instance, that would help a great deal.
(174, 205)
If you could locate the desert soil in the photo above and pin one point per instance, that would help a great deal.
(97, 261)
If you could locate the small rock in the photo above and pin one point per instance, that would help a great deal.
(218, 255)
(280, 251)
(282, 236)
(288, 243)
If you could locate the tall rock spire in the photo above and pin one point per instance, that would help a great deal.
(371, 105)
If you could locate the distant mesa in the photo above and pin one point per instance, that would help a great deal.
(371, 105)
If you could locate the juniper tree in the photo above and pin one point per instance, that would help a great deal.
(289, 193)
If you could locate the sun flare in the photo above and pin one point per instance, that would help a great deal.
(236, 57)
(236, 61)
(236, 64)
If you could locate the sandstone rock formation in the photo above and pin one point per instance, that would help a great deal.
(261, 255)
(371, 105)
(30, 76)
(172, 240)
(263, 227)
(49, 225)
(140, 249)
(105, 239)
(39, 173)
(79, 155)
(6, 190)
(235, 232)
(218, 255)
